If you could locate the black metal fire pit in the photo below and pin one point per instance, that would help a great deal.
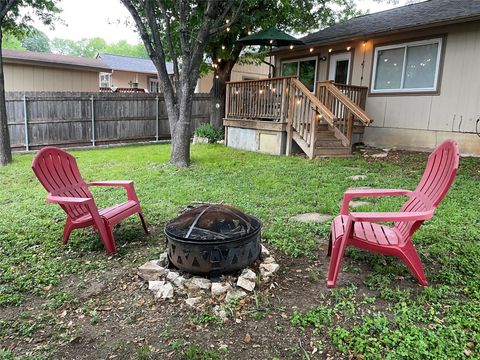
(213, 240)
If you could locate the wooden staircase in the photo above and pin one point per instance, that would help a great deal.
(321, 124)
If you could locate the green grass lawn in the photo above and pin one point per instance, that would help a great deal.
(400, 320)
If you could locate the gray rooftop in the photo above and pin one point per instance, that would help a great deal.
(420, 15)
(130, 63)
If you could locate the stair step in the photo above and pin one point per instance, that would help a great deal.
(328, 143)
(323, 127)
(332, 151)
(327, 135)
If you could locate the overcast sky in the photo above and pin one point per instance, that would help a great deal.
(107, 19)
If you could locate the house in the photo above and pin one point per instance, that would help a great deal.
(34, 71)
(407, 77)
(130, 72)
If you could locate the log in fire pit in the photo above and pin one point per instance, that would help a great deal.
(213, 240)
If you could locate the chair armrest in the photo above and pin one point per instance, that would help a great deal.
(391, 216)
(67, 200)
(126, 184)
(122, 183)
(350, 194)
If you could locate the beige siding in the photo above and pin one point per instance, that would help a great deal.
(124, 79)
(38, 78)
(419, 121)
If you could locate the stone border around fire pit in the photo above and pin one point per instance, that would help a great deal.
(172, 284)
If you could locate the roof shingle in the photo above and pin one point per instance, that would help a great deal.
(412, 16)
(130, 63)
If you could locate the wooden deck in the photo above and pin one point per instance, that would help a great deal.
(322, 124)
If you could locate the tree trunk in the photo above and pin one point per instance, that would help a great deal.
(5, 150)
(218, 93)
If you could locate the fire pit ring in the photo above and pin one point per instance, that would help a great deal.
(212, 240)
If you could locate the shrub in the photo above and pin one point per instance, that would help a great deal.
(210, 132)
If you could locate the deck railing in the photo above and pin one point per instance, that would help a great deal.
(344, 102)
(264, 99)
(287, 100)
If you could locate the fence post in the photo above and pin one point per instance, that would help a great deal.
(156, 118)
(25, 121)
(93, 120)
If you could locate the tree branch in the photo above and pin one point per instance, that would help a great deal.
(5, 7)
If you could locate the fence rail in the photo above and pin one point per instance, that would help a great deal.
(67, 119)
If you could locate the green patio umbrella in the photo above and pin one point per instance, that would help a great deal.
(270, 37)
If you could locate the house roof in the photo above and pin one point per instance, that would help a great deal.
(55, 60)
(420, 15)
(130, 63)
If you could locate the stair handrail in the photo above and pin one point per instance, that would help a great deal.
(354, 108)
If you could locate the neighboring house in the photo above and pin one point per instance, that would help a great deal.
(33, 71)
(420, 63)
(130, 72)
(239, 72)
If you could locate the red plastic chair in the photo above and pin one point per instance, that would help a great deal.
(360, 230)
(58, 172)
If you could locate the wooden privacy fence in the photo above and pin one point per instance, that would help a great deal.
(37, 119)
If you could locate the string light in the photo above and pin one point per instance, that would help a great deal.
(227, 21)
(330, 50)
(364, 44)
(223, 47)
(291, 47)
(216, 76)
(271, 41)
(249, 32)
(261, 92)
(228, 29)
(219, 60)
(348, 48)
(311, 49)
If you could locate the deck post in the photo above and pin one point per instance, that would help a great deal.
(291, 99)
(283, 100)
(93, 120)
(350, 128)
(156, 118)
(25, 122)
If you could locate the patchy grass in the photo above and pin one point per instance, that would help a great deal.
(384, 316)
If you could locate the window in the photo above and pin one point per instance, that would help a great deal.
(303, 69)
(105, 80)
(154, 87)
(409, 67)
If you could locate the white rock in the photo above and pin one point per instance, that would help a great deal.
(269, 260)
(246, 284)
(179, 281)
(219, 288)
(192, 301)
(235, 293)
(248, 274)
(151, 271)
(155, 286)
(268, 269)
(196, 283)
(172, 275)
(358, 177)
(166, 292)
(265, 252)
(163, 261)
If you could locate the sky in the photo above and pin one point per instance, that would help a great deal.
(107, 19)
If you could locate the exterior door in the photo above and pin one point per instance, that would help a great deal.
(304, 69)
(340, 67)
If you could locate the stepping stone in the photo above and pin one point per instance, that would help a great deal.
(358, 177)
(355, 204)
(379, 155)
(311, 218)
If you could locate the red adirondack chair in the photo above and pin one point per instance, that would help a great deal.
(360, 230)
(58, 172)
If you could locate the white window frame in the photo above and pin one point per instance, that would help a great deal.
(109, 76)
(405, 45)
(150, 82)
(298, 60)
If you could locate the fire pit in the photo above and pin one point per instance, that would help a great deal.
(213, 240)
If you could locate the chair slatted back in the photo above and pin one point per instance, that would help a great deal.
(58, 172)
(437, 178)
